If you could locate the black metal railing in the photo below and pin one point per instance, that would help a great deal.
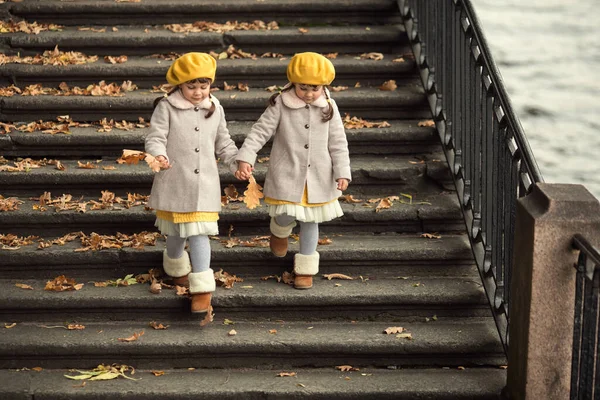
(486, 148)
(585, 370)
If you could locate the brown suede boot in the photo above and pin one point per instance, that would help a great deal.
(177, 268)
(305, 267)
(201, 302)
(279, 238)
(303, 281)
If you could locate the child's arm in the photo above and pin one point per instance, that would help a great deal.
(225, 146)
(156, 140)
(338, 149)
(260, 134)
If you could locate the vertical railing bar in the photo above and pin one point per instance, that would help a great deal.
(577, 326)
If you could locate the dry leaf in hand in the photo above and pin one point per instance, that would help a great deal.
(337, 276)
(152, 163)
(388, 85)
(132, 338)
(253, 194)
(393, 330)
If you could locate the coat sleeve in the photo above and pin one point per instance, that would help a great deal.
(156, 140)
(338, 146)
(260, 133)
(225, 147)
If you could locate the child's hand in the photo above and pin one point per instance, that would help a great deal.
(244, 171)
(164, 163)
(342, 184)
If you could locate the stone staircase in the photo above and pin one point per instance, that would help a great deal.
(429, 286)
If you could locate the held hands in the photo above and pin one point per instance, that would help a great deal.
(244, 171)
(164, 163)
(342, 184)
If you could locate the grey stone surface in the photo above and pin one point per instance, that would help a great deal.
(543, 287)
(229, 384)
(469, 342)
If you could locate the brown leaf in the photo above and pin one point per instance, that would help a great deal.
(384, 203)
(350, 199)
(23, 286)
(132, 338)
(388, 85)
(398, 60)
(302, 30)
(62, 283)
(325, 241)
(286, 374)
(37, 369)
(431, 236)
(75, 327)
(393, 330)
(287, 278)
(427, 123)
(158, 373)
(181, 290)
(232, 332)
(273, 331)
(337, 276)
(253, 194)
(359, 123)
(87, 165)
(209, 317)
(155, 287)
(225, 279)
(8, 326)
(115, 59)
(158, 326)
(131, 157)
(339, 88)
(372, 56)
(346, 368)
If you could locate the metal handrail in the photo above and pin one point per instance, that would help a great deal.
(585, 364)
(487, 151)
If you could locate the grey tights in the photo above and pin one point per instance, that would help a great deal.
(309, 233)
(199, 250)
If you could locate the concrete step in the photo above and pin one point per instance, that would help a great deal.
(377, 298)
(146, 40)
(407, 102)
(263, 72)
(406, 255)
(402, 137)
(233, 384)
(465, 342)
(431, 212)
(387, 171)
(83, 12)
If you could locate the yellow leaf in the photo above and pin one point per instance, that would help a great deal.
(8, 326)
(232, 332)
(253, 194)
(106, 376)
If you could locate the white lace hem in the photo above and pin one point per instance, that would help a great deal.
(319, 214)
(187, 229)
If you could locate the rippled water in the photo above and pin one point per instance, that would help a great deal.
(548, 52)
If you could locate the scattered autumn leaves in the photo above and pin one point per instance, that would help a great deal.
(100, 89)
(64, 122)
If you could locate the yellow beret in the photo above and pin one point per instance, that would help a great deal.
(310, 69)
(192, 66)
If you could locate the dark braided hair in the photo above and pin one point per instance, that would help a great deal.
(327, 115)
(199, 80)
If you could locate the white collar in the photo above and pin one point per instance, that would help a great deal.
(178, 101)
(290, 99)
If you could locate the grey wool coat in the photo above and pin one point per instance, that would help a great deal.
(305, 150)
(179, 131)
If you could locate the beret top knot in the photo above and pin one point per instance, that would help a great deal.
(310, 69)
(192, 66)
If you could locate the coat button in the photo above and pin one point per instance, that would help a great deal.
(308, 165)
(196, 129)
(307, 126)
(197, 150)
(307, 106)
(196, 108)
(197, 171)
(306, 146)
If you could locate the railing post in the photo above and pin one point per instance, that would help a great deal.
(543, 288)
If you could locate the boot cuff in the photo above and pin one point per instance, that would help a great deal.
(177, 267)
(202, 282)
(306, 264)
(282, 231)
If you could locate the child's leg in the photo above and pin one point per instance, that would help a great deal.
(202, 279)
(306, 263)
(176, 261)
(281, 228)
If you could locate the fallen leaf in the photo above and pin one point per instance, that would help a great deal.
(232, 332)
(37, 369)
(431, 236)
(405, 335)
(460, 368)
(8, 326)
(87, 165)
(158, 373)
(132, 338)
(75, 327)
(337, 276)
(286, 374)
(62, 283)
(104, 372)
(350, 199)
(302, 30)
(225, 279)
(157, 325)
(372, 56)
(273, 331)
(23, 286)
(393, 330)
(325, 241)
(427, 123)
(346, 368)
(209, 317)
(388, 85)
(181, 290)
(155, 287)
(398, 60)
(383, 204)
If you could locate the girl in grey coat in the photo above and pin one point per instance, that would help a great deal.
(309, 162)
(187, 129)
